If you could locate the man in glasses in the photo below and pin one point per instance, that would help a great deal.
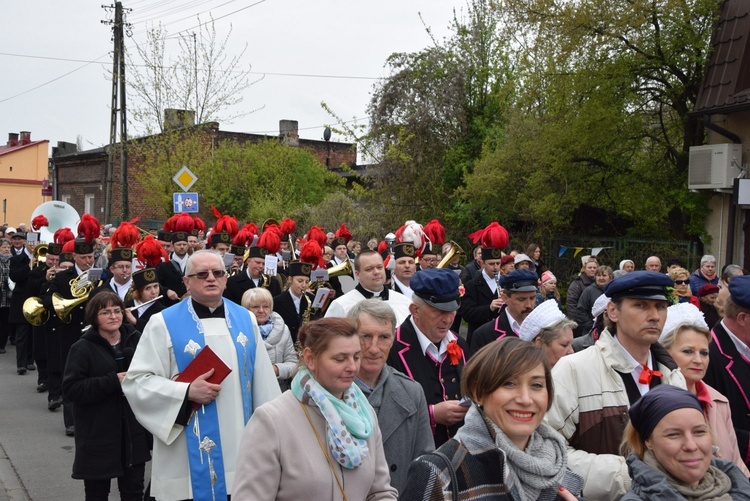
(190, 420)
(121, 269)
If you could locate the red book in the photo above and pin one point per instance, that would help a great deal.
(206, 360)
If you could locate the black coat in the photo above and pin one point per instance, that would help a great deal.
(729, 374)
(238, 284)
(142, 320)
(475, 305)
(439, 382)
(495, 329)
(19, 273)
(108, 437)
(283, 304)
(170, 277)
(69, 332)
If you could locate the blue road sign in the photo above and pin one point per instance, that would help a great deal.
(185, 202)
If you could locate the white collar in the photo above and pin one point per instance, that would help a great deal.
(738, 343)
(491, 282)
(406, 290)
(516, 326)
(637, 367)
(429, 347)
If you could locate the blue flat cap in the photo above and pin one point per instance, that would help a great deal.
(739, 290)
(640, 284)
(437, 287)
(519, 281)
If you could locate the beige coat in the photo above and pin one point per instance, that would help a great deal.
(720, 419)
(280, 458)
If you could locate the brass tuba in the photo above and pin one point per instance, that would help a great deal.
(34, 311)
(454, 250)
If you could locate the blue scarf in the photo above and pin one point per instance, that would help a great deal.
(349, 421)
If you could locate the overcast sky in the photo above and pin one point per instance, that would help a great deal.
(331, 38)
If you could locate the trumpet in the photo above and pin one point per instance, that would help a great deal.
(40, 253)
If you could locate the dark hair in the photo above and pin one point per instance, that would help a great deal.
(530, 249)
(99, 301)
(362, 254)
(501, 361)
(317, 335)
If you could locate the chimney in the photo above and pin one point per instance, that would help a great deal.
(12, 139)
(25, 137)
(289, 132)
(178, 119)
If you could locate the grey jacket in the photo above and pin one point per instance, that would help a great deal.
(650, 484)
(404, 421)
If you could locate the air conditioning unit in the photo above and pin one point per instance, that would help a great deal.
(714, 166)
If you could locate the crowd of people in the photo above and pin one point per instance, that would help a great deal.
(252, 362)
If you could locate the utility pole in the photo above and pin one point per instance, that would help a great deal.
(118, 88)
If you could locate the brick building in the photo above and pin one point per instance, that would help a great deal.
(80, 176)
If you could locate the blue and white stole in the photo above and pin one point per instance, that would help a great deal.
(186, 331)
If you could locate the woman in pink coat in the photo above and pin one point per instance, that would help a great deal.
(686, 336)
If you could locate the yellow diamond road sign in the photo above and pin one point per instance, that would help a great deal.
(185, 178)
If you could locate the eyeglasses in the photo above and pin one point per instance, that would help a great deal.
(202, 275)
(681, 282)
(109, 313)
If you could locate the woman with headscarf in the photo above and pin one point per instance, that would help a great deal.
(670, 449)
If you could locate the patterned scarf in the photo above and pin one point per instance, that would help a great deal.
(715, 484)
(266, 328)
(349, 421)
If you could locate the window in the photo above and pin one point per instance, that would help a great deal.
(88, 203)
(65, 199)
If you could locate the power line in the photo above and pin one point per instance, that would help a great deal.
(215, 18)
(53, 80)
(306, 128)
(303, 75)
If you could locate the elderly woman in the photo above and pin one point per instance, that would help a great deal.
(547, 327)
(686, 337)
(682, 290)
(5, 292)
(671, 455)
(110, 443)
(586, 278)
(321, 440)
(627, 265)
(503, 450)
(706, 274)
(583, 316)
(708, 295)
(275, 334)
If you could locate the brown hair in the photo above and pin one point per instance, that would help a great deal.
(499, 362)
(362, 254)
(98, 302)
(732, 309)
(317, 335)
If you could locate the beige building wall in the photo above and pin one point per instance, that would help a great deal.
(21, 174)
(717, 221)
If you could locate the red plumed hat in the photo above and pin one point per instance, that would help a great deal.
(318, 234)
(225, 223)
(63, 236)
(126, 235)
(312, 253)
(270, 239)
(150, 252)
(184, 223)
(493, 236)
(343, 232)
(435, 232)
(169, 223)
(88, 228)
(412, 232)
(245, 236)
(39, 222)
(70, 245)
(288, 227)
(200, 225)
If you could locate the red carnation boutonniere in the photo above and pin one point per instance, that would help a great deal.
(461, 290)
(455, 352)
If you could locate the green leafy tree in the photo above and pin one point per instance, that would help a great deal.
(431, 116)
(601, 122)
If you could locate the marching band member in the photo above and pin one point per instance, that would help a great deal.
(145, 289)
(170, 273)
